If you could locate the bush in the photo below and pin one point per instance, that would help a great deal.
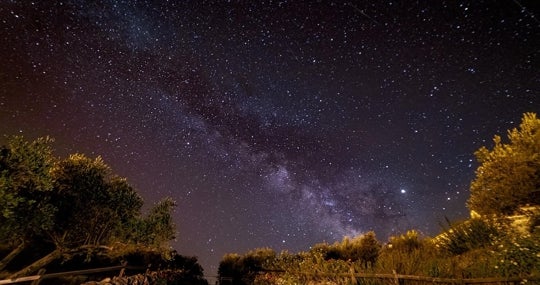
(518, 255)
(472, 234)
(364, 249)
(409, 254)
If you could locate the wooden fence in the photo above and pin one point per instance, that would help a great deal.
(399, 279)
(313, 278)
(40, 276)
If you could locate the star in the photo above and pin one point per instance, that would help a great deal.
(300, 119)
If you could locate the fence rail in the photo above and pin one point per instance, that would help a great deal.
(71, 273)
(399, 279)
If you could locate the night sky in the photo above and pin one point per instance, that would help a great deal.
(275, 123)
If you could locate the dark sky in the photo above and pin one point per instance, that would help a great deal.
(275, 123)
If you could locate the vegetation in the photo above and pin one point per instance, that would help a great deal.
(244, 269)
(501, 239)
(57, 212)
(509, 174)
(469, 235)
(364, 249)
(505, 255)
(61, 210)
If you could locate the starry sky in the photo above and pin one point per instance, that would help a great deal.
(275, 123)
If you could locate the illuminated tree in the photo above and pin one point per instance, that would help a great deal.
(367, 249)
(243, 269)
(509, 174)
(25, 186)
(231, 267)
(75, 206)
(363, 248)
(91, 204)
(156, 229)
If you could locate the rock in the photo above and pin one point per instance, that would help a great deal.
(105, 281)
(119, 281)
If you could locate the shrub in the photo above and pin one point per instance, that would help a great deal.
(409, 254)
(472, 234)
(518, 255)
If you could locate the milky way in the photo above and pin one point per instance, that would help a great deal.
(275, 123)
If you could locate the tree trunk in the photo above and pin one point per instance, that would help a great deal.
(37, 264)
(7, 259)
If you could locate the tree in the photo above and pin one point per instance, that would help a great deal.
(366, 249)
(362, 248)
(91, 204)
(244, 269)
(25, 186)
(231, 267)
(156, 229)
(509, 175)
(72, 206)
(84, 190)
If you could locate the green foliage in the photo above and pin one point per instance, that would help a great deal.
(123, 198)
(305, 267)
(154, 230)
(409, 253)
(490, 245)
(92, 203)
(25, 184)
(363, 248)
(510, 255)
(96, 207)
(367, 249)
(469, 235)
(509, 175)
(231, 266)
(244, 269)
(177, 269)
(518, 255)
(408, 242)
(506, 254)
(263, 266)
(75, 206)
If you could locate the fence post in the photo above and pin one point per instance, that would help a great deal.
(40, 273)
(396, 278)
(353, 278)
(122, 271)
